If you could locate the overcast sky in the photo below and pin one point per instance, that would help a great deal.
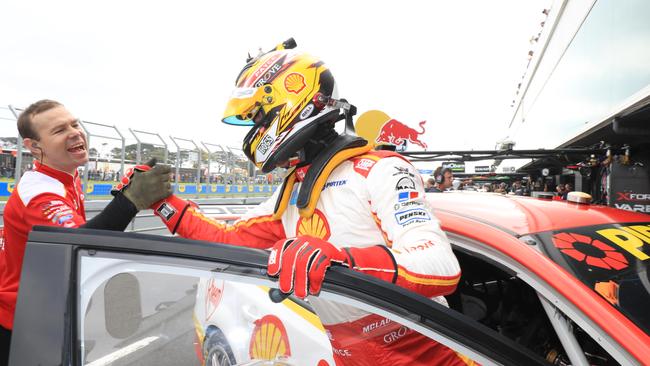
(169, 66)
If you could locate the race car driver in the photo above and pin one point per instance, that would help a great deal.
(341, 203)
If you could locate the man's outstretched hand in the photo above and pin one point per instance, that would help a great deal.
(145, 184)
(300, 264)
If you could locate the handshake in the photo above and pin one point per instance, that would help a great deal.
(145, 184)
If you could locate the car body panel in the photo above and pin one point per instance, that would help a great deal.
(484, 223)
(525, 215)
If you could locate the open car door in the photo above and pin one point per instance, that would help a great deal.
(91, 297)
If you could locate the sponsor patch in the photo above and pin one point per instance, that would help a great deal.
(403, 171)
(407, 216)
(336, 183)
(166, 211)
(408, 203)
(307, 111)
(405, 184)
(405, 196)
(264, 145)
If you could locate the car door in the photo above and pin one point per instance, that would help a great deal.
(95, 298)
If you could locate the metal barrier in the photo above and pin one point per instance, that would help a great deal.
(225, 209)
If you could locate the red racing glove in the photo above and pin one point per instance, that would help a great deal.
(301, 263)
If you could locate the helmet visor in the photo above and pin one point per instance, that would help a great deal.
(243, 105)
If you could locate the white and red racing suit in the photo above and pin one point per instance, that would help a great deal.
(44, 196)
(370, 199)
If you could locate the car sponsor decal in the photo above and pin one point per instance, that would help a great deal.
(413, 215)
(269, 339)
(405, 184)
(213, 296)
(316, 226)
(634, 239)
(593, 252)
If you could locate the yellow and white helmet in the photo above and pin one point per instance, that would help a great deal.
(284, 95)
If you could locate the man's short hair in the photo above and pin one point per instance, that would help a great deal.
(25, 128)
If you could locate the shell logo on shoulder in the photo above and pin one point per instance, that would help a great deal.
(592, 251)
(269, 339)
(294, 83)
(316, 226)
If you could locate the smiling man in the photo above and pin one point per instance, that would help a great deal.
(51, 194)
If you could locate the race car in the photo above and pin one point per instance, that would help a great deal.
(565, 279)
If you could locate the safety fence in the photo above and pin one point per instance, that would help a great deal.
(103, 189)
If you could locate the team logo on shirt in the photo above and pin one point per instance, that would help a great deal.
(316, 226)
(407, 217)
(58, 212)
(405, 183)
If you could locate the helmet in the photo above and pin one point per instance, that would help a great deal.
(284, 95)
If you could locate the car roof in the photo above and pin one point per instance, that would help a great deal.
(525, 215)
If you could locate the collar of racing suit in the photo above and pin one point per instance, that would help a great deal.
(63, 177)
(340, 150)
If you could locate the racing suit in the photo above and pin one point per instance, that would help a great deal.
(370, 199)
(46, 196)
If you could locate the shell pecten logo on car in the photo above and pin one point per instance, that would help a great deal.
(269, 339)
(592, 251)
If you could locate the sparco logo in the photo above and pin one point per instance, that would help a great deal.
(396, 334)
(265, 144)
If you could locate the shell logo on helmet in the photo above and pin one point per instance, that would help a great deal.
(294, 83)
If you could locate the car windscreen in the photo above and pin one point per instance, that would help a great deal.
(610, 259)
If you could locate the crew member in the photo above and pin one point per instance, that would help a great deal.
(51, 194)
(444, 179)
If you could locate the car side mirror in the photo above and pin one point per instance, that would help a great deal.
(122, 305)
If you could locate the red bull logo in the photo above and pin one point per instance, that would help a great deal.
(395, 132)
